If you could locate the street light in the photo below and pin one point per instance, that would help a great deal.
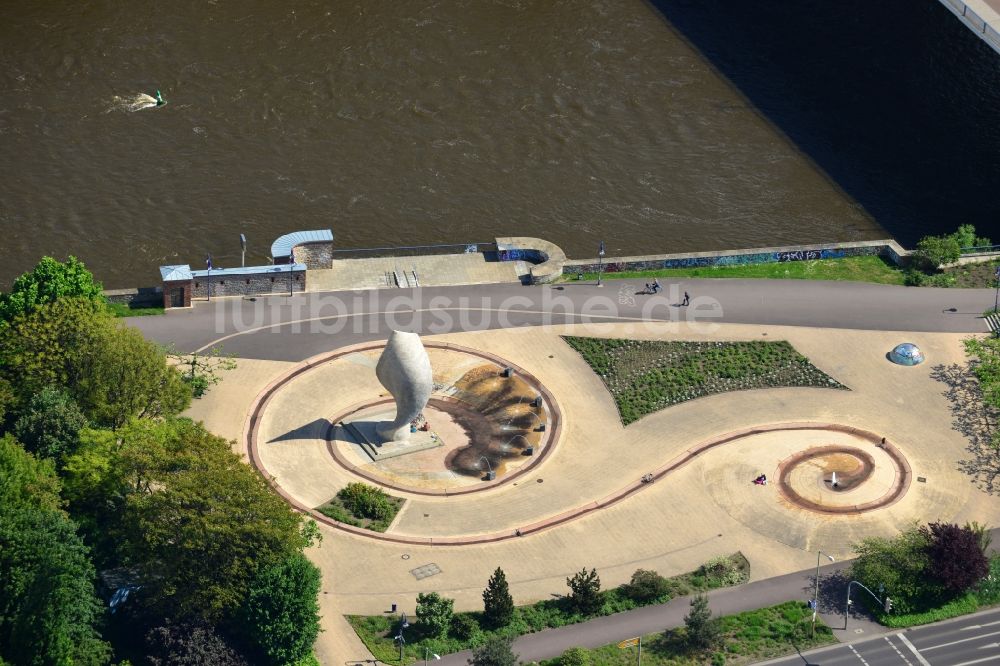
(996, 298)
(403, 624)
(816, 589)
(427, 651)
(600, 263)
(243, 250)
(208, 269)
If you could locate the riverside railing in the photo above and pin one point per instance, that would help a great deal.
(414, 250)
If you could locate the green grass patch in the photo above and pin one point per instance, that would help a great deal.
(363, 506)
(377, 631)
(646, 376)
(747, 638)
(122, 310)
(855, 269)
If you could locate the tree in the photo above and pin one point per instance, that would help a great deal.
(174, 499)
(48, 609)
(281, 613)
(49, 281)
(586, 594)
(495, 651)
(646, 586)
(201, 371)
(108, 368)
(46, 346)
(966, 237)
(498, 605)
(956, 558)
(434, 612)
(126, 376)
(899, 565)
(51, 425)
(703, 632)
(933, 251)
(190, 645)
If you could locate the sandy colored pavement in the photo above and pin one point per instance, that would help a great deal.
(706, 508)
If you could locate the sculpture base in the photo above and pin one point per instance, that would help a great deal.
(417, 441)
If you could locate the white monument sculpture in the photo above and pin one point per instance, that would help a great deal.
(405, 370)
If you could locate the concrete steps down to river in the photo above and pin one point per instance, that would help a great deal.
(438, 270)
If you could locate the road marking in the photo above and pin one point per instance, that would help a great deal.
(979, 661)
(980, 626)
(920, 657)
(963, 640)
(860, 657)
(901, 655)
(991, 645)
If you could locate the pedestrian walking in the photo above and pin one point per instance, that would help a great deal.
(687, 299)
(656, 286)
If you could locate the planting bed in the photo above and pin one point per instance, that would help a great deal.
(644, 376)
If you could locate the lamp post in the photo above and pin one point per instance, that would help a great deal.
(427, 651)
(816, 589)
(208, 269)
(243, 250)
(403, 624)
(600, 263)
(996, 297)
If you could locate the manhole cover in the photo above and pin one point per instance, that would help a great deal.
(426, 571)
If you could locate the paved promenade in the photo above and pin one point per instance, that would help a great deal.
(294, 328)
(699, 510)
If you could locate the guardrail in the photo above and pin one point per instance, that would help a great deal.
(981, 249)
(414, 250)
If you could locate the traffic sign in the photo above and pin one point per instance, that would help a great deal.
(630, 642)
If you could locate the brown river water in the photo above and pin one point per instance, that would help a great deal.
(655, 126)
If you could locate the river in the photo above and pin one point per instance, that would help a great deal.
(655, 126)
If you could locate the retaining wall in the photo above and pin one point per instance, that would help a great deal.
(889, 249)
(142, 297)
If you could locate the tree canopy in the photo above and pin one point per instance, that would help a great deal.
(281, 613)
(180, 505)
(50, 426)
(956, 556)
(108, 368)
(48, 610)
(49, 281)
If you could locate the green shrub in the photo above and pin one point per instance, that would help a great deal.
(933, 251)
(913, 277)
(646, 586)
(723, 571)
(463, 626)
(575, 657)
(366, 501)
(435, 612)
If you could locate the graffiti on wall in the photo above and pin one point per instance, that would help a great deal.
(729, 259)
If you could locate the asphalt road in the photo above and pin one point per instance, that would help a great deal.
(973, 639)
(297, 327)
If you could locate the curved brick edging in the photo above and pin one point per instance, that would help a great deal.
(252, 426)
(900, 483)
